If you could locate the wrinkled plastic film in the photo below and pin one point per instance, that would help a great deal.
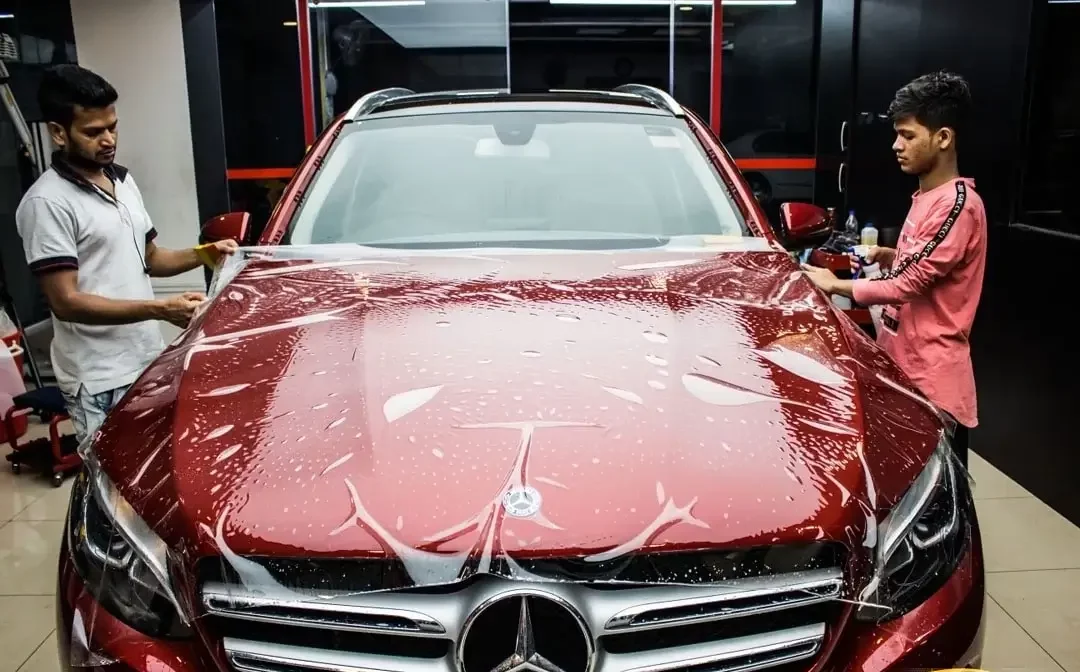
(361, 420)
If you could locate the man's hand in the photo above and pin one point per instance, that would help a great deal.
(179, 309)
(211, 254)
(823, 278)
(879, 255)
(226, 247)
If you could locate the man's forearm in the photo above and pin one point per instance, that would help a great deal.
(82, 308)
(165, 263)
(843, 288)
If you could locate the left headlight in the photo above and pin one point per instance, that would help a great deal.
(122, 562)
(921, 541)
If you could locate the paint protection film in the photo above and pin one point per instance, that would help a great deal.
(371, 458)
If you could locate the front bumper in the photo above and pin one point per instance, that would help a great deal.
(946, 631)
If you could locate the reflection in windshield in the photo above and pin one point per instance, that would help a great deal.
(512, 177)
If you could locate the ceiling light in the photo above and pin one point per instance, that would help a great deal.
(289, 24)
(361, 4)
(7, 16)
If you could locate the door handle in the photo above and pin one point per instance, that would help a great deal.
(840, 174)
(843, 136)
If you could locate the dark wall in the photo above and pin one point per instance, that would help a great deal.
(898, 40)
(1027, 369)
(204, 98)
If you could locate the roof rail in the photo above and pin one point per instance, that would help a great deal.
(657, 97)
(368, 103)
(638, 93)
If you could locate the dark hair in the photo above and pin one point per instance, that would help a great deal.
(65, 86)
(938, 100)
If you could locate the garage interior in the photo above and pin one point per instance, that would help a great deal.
(799, 101)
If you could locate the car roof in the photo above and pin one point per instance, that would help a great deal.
(631, 98)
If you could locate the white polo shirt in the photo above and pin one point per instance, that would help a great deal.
(66, 222)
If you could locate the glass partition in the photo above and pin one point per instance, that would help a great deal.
(578, 45)
(692, 56)
(769, 96)
(747, 66)
(423, 45)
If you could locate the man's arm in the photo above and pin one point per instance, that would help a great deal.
(915, 275)
(165, 263)
(61, 288)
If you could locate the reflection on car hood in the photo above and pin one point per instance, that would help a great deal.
(457, 408)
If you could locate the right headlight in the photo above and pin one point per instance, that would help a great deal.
(121, 561)
(921, 541)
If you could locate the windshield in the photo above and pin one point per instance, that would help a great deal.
(524, 177)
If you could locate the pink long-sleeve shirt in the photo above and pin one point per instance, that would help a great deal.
(931, 294)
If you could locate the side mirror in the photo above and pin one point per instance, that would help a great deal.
(803, 221)
(232, 225)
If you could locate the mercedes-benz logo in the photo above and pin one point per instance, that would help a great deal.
(525, 633)
(522, 502)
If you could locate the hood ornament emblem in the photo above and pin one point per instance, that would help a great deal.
(525, 657)
(522, 502)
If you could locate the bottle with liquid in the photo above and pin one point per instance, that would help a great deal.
(869, 235)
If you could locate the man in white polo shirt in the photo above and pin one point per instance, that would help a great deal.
(90, 241)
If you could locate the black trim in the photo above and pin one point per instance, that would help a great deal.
(835, 48)
(939, 237)
(53, 264)
(198, 24)
(151, 235)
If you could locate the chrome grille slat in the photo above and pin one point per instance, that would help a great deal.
(655, 628)
(331, 613)
(755, 652)
(247, 656)
(770, 595)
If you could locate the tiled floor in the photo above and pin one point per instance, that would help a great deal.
(1033, 561)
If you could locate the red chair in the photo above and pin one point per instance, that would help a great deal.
(48, 404)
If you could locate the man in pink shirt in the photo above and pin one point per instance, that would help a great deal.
(932, 281)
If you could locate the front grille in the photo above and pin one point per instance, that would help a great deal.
(769, 621)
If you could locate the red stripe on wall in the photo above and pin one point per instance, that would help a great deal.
(717, 84)
(777, 164)
(259, 173)
(307, 85)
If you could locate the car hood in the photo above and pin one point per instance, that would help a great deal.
(451, 408)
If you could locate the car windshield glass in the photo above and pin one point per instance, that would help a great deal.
(564, 178)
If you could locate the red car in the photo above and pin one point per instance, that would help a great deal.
(520, 382)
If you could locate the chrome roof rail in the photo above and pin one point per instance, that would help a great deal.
(657, 97)
(368, 103)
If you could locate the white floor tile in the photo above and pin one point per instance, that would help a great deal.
(1025, 534)
(52, 505)
(45, 659)
(28, 557)
(1047, 606)
(1008, 647)
(25, 622)
(990, 483)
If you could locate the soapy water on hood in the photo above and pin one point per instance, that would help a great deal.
(496, 544)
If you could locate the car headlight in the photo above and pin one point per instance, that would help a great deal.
(122, 562)
(921, 541)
